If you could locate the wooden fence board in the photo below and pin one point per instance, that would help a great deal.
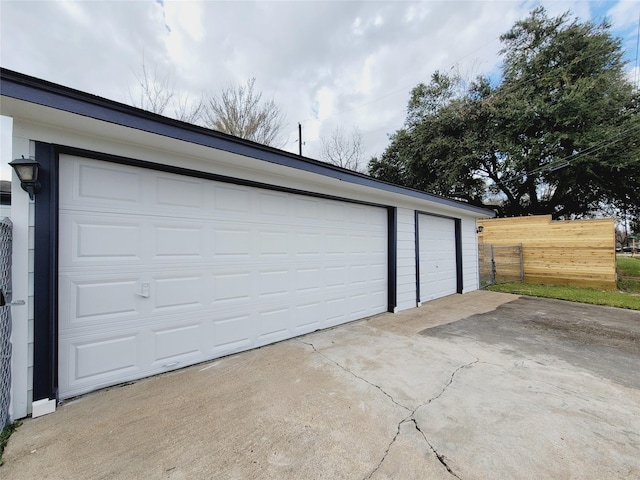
(576, 252)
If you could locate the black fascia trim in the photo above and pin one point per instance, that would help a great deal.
(34, 90)
(458, 234)
(45, 288)
(61, 149)
(417, 245)
(392, 255)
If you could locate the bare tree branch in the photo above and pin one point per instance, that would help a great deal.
(189, 110)
(157, 93)
(344, 150)
(240, 111)
(155, 90)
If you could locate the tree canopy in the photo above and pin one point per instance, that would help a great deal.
(559, 134)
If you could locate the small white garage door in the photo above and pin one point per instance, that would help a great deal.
(437, 250)
(158, 271)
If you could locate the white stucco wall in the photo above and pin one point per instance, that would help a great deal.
(470, 274)
(22, 216)
(406, 259)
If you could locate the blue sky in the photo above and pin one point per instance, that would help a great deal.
(327, 64)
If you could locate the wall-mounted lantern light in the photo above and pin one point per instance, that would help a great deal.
(479, 229)
(27, 171)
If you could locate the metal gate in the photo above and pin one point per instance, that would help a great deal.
(500, 264)
(5, 319)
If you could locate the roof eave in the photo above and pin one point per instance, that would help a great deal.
(30, 89)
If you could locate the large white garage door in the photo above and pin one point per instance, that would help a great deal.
(158, 271)
(437, 241)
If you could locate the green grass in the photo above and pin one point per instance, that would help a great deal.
(628, 274)
(628, 295)
(582, 295)
(628, 266)
(4, 436)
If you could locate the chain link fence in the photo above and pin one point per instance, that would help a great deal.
(500, 264)
(5, 319)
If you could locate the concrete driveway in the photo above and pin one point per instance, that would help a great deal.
(482, 385)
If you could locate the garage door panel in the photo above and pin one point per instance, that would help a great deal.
(232, 241)
(232, 199)
(273, 204)
(91, 360)
(180, 241)
(104, 299)
(358, 305)
(273, 324)
(308, 208)
(231, 286)
(307, 280)
(359, 215)
(232, 333)
(99, 240)
(274, 283)
(308, 317)
(308, 244)
(176, 343)
(180, 192)
(96, 183)
(336, 276)
(178, 292)
(228, 268)
(90, 301)
(106, 242)
(274, 243)
(378, 272)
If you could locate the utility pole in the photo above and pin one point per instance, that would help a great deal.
(300, 137)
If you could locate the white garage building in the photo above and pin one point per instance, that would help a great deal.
(154, 244)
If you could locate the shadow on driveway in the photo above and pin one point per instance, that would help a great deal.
(603, 340)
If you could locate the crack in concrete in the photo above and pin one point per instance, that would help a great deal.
(386, 452)
(355, 375)
(410, 418)
(441, 458)
(466, 365)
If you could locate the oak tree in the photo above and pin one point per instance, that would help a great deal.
(559, 134)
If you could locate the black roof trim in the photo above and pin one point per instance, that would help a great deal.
(30, 89)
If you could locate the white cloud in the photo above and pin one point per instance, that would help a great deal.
(625, 13)
(76, 11)
(325, 63)
(185, 33)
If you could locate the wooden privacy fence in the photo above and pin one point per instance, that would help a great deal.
(578, 253)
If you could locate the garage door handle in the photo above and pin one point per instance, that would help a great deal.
(145, 291)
